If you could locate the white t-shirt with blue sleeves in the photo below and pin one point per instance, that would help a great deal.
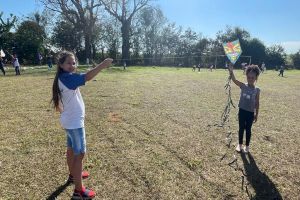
(72, 116)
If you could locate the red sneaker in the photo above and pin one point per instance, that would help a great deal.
(84, 194)
(84, 175)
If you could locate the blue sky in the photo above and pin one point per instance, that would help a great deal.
(272, 21)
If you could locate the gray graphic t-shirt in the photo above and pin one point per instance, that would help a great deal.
(248, 97)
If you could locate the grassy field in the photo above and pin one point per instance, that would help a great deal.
(148, 137)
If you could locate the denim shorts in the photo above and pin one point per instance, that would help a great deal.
(76, 140)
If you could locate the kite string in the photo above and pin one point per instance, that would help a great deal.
(226, 112)
(225, 120)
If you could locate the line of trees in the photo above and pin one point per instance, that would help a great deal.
(135, 31)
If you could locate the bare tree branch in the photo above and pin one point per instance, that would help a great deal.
(81, 13)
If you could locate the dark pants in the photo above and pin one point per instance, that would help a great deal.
(50, 65)
(280, 73)
(245, 123)
(17, 69)
(3, 71)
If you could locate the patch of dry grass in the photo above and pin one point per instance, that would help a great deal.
(148, 137)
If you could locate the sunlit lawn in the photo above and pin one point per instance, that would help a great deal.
(148, 137)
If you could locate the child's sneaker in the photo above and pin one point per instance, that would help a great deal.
(246, 149)
(238, 148)
(84, 194)
(84, 175)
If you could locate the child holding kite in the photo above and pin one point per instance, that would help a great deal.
(67, 99)
(248, 104)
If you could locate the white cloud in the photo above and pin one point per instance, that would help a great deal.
(290, 46)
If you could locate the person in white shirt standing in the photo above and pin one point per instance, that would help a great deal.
(16, 64)
(263, 67)
(67, 99)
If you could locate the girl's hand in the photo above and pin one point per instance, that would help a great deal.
(230, 68)
(106, 63)
(93, 72)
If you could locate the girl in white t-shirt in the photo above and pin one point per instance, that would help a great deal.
(67, 99)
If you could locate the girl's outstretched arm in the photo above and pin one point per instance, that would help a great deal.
(238, 83)
(93, 72)
(256, 107)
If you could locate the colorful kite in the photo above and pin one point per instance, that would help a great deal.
(233, 50)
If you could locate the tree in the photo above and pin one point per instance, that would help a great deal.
(202, 47)
(82, 14)
(256, 49)
(137, 44)
(66, 36)
(296, 59)
(148, 28)
(228, 35)
(109, 38)
(170, 35)
(167, 43)
(186, 46)
(47, 22)
(251, 46)
(8, 25)
(40, 19)
(275, 56)
(6, 36)
(29, 40)
(124, 11)
(231, 34)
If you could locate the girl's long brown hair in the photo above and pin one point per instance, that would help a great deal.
(56, 94)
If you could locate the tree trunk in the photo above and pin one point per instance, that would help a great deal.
(87, 45)
(125, 29)
(102, 53)
(94, 51)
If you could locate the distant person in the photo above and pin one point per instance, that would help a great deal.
(244, 66)
(2, 65)
(211, 68)
(281, 70)
(199, 67)
(88, 62)
(124, 65)
(16, 64)
(49, 61)
(67, 99)
(248, 105)
(39, 58)
(194, 68)
(263, 67)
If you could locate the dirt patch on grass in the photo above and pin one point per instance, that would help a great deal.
(114, 117)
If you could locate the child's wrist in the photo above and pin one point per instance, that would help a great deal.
(101, 65)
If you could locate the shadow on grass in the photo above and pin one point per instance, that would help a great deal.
(58, 191)
(261, 183)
